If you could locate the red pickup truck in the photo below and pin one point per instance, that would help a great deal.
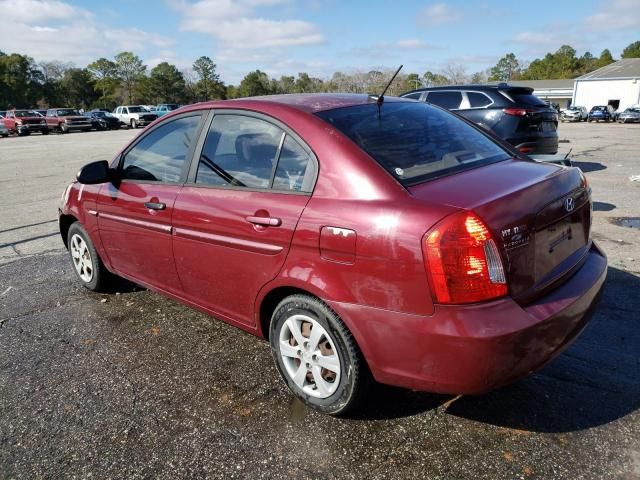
(24, 122)
(67, 119)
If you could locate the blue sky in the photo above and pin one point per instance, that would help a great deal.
(284, 37)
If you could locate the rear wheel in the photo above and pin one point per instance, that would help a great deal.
(86, 262)
(317, 356)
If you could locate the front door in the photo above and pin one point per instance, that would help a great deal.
(135, 211)
(234, 220)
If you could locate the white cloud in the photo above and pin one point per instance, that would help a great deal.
(618, 14)
(439, 14)
(235, 24)
(55, 30)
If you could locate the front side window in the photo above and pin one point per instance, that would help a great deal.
(414, 141)
(239, 151)
(160, 156)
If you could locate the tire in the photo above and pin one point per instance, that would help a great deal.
(134, 123)
(93, 275)
(334, 390)
(64, 128)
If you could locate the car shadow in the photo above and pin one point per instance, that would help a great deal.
(587, 167)
(594, 382)
(603, 206)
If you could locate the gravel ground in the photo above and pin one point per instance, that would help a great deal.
(132, 385)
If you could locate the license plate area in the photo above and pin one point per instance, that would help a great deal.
(558, 241)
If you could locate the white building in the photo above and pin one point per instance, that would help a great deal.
(617, 84)
(557, 92)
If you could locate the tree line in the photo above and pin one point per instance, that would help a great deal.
(125, 79)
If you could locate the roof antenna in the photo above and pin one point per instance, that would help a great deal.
(380, 98)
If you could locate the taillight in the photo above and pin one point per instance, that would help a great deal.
(463, 261)
(525, 149)
(518, 112)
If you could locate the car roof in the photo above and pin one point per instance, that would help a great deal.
(492, 87)
(306, 102)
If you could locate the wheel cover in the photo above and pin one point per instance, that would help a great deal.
(309, 356)
(81, 257)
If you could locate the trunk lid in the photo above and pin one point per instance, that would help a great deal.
(539, 215)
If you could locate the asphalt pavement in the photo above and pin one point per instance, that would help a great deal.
(132, 385)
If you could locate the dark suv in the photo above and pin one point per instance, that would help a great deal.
(512, 113)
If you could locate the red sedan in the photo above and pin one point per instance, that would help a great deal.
(366, 240)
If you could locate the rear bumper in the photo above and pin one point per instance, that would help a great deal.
(475, 348)
(539, 145)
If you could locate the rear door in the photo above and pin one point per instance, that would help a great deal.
(235, 218)
(134, 213)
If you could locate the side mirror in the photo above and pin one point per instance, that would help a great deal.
(94, 172)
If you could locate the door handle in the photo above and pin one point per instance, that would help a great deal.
(266, 221)
(155, 205)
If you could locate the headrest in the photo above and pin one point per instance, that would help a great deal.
(256, 148)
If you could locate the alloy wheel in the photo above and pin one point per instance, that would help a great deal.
(81, 257)
(309, 356)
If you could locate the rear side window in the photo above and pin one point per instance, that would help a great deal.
(295, 169)
(448, 100)
(414, 141)
(160, 156)
(243, 151)
(239, 151)
(478, 100)
(413, 96)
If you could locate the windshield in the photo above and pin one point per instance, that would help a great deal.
(26, 113)
(137, 110)
(66, 112)
(598, 108)
(414, 141)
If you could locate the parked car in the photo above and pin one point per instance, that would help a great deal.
(101, 120)
(4, 131)
(65, 120)
(630, 115)
(513, 113)
(134, 116)
(384, 239)
(25, 122)
(165, 108)
(574, 114)
(601, 112)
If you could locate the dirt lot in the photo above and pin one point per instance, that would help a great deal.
(134, 385)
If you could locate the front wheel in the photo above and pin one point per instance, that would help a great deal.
(64, 128)
(86, 263)
(317, 356)
(134, 123)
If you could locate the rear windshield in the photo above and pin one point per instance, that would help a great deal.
(414, 141)
(525, 97)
